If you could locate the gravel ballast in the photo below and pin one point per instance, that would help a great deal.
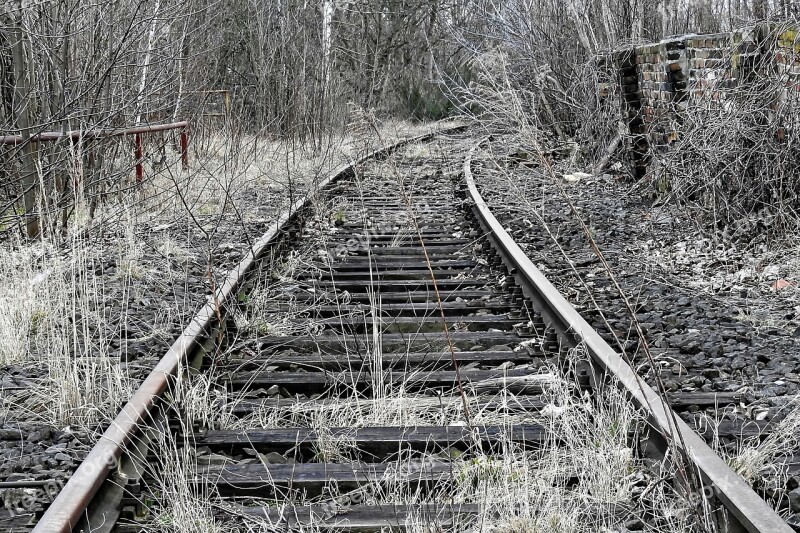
(712, 313)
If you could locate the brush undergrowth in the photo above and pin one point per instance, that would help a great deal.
(65, 312)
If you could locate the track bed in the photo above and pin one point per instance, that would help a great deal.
(385, 367)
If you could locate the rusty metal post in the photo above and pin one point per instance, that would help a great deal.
(52, 136)
(139, 156)
(185, 148)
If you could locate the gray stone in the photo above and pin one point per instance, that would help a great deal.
(56, 448)
(273, 458)
(738, 363)
(634, 524)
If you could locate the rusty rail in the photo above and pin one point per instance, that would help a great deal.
(74, 135)
(71, 504)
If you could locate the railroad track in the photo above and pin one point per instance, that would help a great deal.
(385, 350)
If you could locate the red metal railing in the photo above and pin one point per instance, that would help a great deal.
(137, 132)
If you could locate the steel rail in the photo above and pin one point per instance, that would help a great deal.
(747, 511)
(72, 502)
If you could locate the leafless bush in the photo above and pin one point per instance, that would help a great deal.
(736, 161)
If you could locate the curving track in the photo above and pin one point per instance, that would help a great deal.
(407, 348)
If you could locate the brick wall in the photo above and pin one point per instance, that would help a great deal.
(658, 83)
(661, 69)
(708, 60)
(619, 85)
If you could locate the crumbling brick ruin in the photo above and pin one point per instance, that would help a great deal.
(655, 84)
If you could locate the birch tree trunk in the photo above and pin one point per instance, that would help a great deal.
(148, 52)
(184, 52)
(327, 42)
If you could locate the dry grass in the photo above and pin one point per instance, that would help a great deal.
(61, 322)
(21, 286)
(64, 313)
(757, 458)
(275, 170)
(186, 504)
(583, 478)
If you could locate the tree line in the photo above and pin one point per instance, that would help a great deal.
(293, 68)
